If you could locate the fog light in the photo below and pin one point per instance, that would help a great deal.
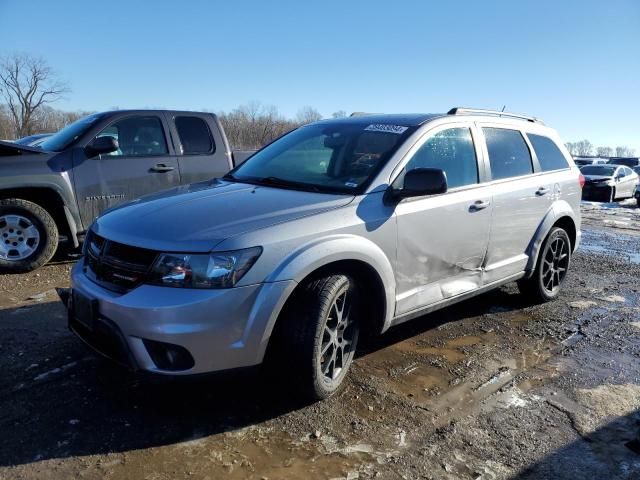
(167, 356)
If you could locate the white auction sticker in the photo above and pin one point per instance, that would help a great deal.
(382, 127)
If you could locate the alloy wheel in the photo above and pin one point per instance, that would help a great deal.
(339, 337)
(555, 264)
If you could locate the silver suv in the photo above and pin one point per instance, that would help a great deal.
(339, 227)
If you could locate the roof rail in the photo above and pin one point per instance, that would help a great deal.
(462, 111)
(360, 114)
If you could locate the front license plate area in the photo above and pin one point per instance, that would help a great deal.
(84, 309)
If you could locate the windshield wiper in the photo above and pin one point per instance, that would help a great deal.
(281, 182)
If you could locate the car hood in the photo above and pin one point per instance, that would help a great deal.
(197, 217)
(10, 149)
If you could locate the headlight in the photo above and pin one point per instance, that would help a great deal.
(215, 270)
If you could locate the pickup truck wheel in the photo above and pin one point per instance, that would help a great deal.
(321, 333)
(28, 235)
(551, 270)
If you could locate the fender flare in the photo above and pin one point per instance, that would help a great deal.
(321, 252)
(557, 211)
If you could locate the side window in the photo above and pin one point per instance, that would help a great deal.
(548, 153)
(450, 150)
(508, 153)
(137, 137)
(195, 136)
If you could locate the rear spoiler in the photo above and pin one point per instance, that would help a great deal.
(8, 149)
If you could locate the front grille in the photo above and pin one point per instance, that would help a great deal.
(116, 266)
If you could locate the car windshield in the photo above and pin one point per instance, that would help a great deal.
(602, 170)
(327, 157)
(69, 134)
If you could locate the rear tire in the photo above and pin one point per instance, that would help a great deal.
(551, 268)
(28, 236)
(320, 335)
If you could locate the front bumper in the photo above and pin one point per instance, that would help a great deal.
(597, 192)
(220, 329)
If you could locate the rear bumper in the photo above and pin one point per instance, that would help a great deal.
(220, 329)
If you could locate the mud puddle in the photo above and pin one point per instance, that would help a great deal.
(611, 244)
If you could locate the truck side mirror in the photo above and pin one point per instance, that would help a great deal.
(99, 145)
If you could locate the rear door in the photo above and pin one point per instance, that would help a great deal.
(200, 145)
(145, 163)
(522, 195)
(442, 239)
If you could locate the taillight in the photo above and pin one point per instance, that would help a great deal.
(581, 180)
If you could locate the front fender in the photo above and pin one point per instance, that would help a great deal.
(320, 252)
(558, 210)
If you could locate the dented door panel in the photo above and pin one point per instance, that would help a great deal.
(442, 241)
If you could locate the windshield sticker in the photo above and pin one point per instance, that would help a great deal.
(350, 184)
(381, 127)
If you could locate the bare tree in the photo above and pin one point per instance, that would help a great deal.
(253, 125)
(339, 114)
(27, 84)
(308, 115)
(604, 151)
(624, 151)
(571, 146)
(584, 147)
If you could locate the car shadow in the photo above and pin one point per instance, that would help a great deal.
(59, 400)
(612, 451)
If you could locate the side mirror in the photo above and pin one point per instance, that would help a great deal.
(100, 145)
(422, 181)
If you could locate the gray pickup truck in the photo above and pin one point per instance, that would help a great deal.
(52, 193)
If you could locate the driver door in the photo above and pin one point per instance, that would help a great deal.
(443, 239)
(143, 164)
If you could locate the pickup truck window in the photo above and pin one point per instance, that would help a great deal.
(195, 136)
(139, 136)
(69, 134)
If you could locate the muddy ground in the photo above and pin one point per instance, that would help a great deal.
(492, 388)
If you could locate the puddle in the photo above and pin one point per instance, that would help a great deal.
(604, 243)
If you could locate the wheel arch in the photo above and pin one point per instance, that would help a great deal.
(559, 215)
(51, 201)
(349, 254)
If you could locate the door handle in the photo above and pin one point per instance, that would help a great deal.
(161, 167)
(478, 205)
(542, 191)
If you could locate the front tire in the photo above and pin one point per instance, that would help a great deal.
(321, 334)
(28, 236)
(551, 269)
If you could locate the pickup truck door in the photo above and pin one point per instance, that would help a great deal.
(144, 163)
(201, 147)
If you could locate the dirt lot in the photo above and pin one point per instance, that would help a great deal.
(491, 388)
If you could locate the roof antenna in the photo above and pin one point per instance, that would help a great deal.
(503, 107)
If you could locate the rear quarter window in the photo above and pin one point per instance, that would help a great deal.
(548, 153)
(195, 136)
(508, 153)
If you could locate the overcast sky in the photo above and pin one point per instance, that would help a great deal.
(574, 64)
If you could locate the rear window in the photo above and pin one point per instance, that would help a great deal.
(195, 136)
(604, 171)
(548, 153)
(508, 153)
